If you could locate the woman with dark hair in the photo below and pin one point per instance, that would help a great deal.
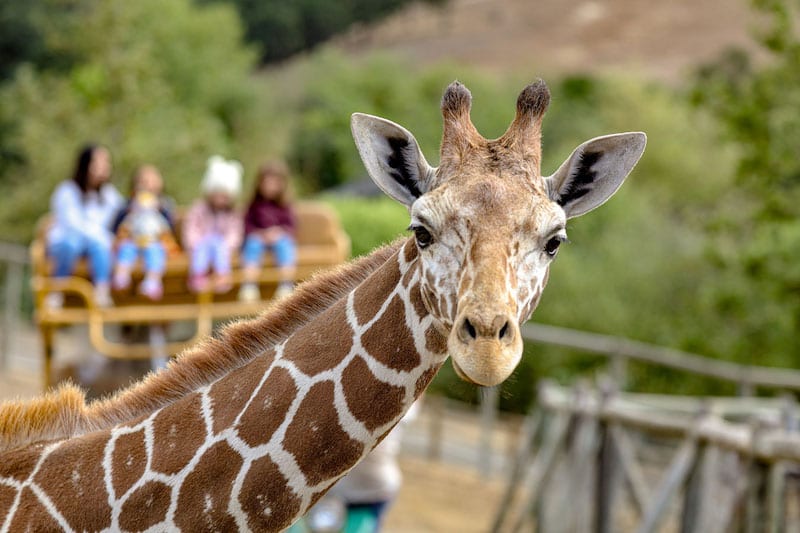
(83, 210)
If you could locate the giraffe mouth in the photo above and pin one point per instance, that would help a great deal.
(461, 374)
(485, 367)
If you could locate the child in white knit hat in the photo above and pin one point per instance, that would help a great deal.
(212, 229)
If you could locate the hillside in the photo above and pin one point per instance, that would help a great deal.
(658, 39)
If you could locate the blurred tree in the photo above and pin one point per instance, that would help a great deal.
(321, 147)
(161, 82)
(284, 28)
(20, 41)
(757, 235)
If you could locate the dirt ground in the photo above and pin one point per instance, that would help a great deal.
(439, 497)
(661, 40)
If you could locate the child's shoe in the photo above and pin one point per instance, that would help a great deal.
(283, 290)
(122, 279)
(152, 288)
(222, 283)
(102, 295)
(198, 282)
(249, 292)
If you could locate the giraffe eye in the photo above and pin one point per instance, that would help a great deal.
(552, 245)
(423, 236)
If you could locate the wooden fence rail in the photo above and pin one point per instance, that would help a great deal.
(620, 350)
(583, 450)
(16, 258)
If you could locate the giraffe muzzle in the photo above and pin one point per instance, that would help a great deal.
(485, 349)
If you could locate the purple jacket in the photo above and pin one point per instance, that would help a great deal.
(263, 214)
(201, 221)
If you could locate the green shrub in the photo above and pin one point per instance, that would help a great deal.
(370, 222)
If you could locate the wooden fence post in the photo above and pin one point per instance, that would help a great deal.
(607, 471)
(543, 467)
(619, 370)
(676, 475)
(435, 426)
(489, 398)
(695, 493)
(13, 293)
(755, 512)
(528, 433)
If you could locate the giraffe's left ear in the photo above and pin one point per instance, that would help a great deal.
(392, 157)
(595, 171)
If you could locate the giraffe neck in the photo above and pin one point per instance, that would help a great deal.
(254, 449)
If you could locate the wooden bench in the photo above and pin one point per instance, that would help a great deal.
(321, 241)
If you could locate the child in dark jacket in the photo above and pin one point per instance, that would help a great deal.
(269, 226)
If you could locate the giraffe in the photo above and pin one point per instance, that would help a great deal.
(251, 427)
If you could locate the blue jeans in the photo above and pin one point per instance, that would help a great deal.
(154, 255)
(211, 251)
(66, 252)
(284, 250)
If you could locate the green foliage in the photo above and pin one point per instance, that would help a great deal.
(167, 83)
(370, 222)
(755, 242)
(321, 148)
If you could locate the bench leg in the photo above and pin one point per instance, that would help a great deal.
(158, 347)
(48, 334)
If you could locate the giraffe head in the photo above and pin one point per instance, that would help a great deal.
(486, 222)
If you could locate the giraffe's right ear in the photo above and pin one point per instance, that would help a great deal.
(392, 157)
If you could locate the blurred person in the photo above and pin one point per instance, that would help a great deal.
(83, 209)
(144, 227)
(212, 229)
(269, 226)
(371, 486)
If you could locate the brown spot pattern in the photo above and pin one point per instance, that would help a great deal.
(20, 463)
(204, 496)
(320, 446)
(410, 251)
(128, 461)
(230, 394)
(399, 353)
(435, 342)
(179, 431)
(31, 515)
(371, 401)
(425, 379)
(323, 345)
(268, 409)
(74, 473)
(270, 506)
(146, 507)
(370, 295)
(415, 297)
(7, 495)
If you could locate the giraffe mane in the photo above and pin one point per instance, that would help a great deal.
(64, 412)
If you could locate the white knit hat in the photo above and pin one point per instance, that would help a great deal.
(222, 176)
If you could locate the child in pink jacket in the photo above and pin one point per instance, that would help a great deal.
(212, 229)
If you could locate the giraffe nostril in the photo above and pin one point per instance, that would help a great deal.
(469, 329)
(503, 331)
